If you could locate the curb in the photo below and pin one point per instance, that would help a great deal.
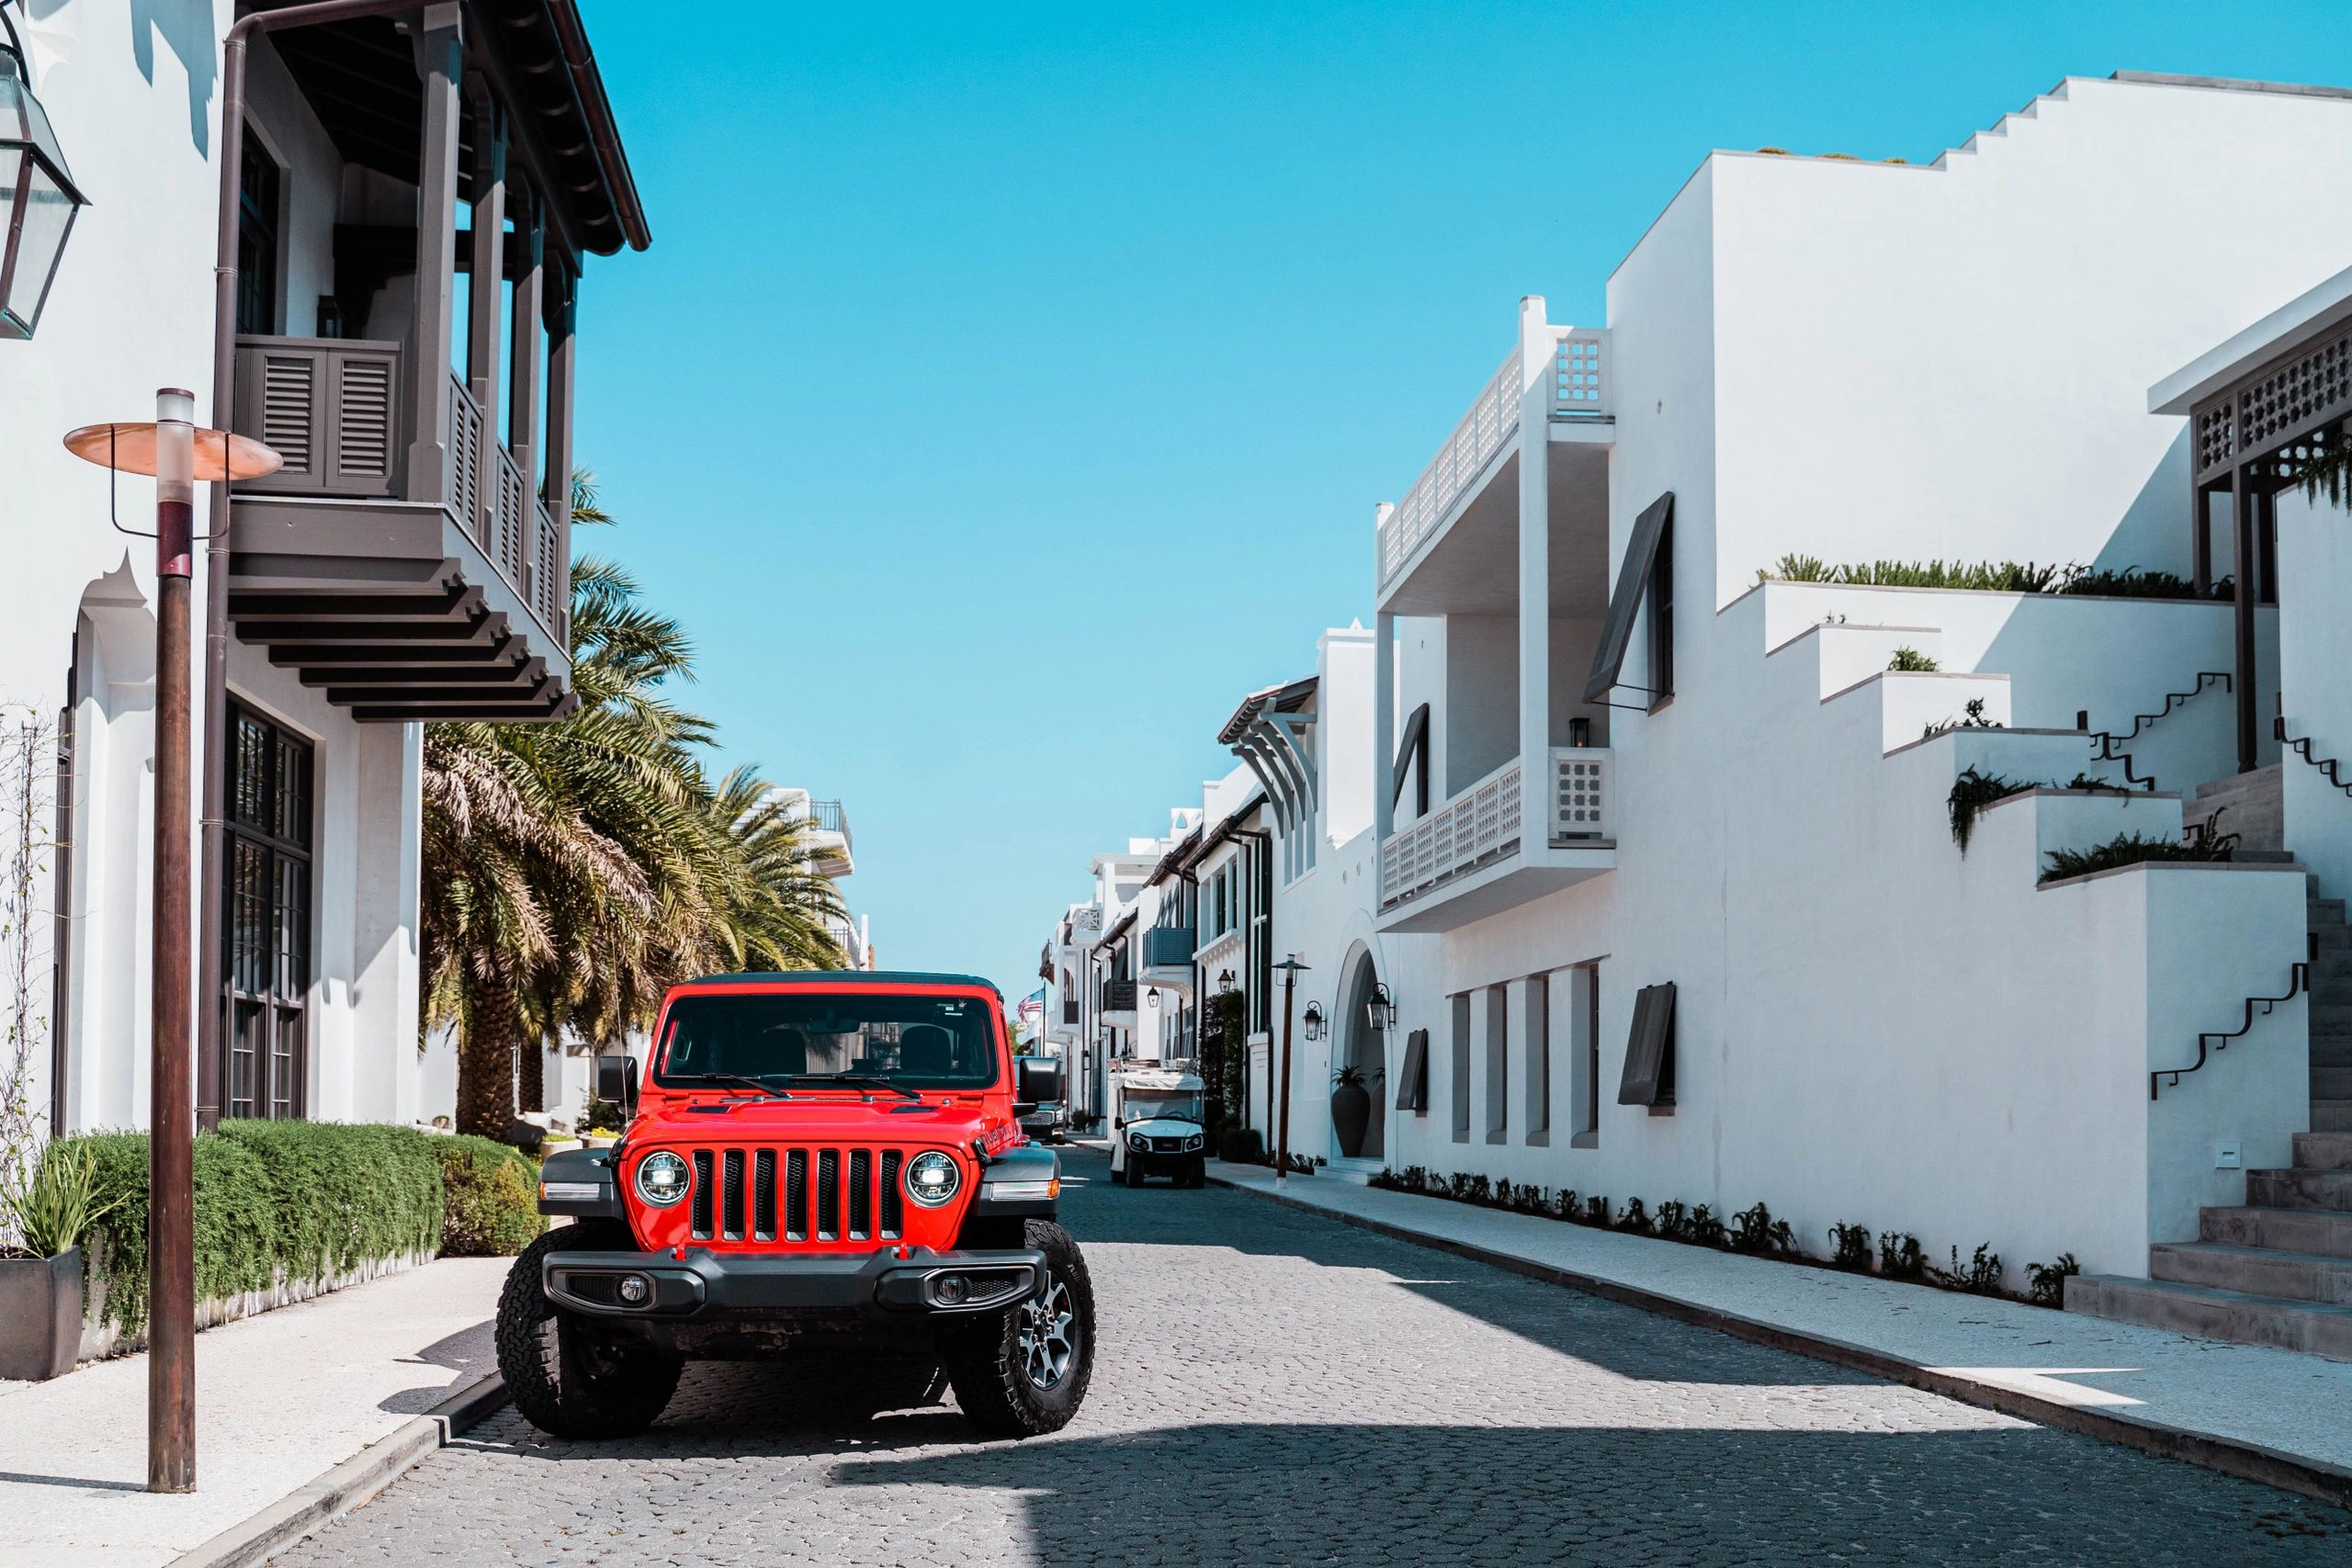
(2245, 1461)
(349, 1485)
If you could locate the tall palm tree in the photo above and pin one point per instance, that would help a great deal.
(574, 870)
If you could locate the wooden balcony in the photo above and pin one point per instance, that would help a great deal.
(410, 579)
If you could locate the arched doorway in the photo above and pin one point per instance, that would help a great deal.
(1363, 1048)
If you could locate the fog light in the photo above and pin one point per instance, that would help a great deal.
(949, 1290)
(635, 1289)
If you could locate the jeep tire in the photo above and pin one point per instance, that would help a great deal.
(1023, 1372)
(571, 1377)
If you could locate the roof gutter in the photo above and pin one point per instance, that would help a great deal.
(588, 83)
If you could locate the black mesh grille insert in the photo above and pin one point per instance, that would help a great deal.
(700, 1203)
(861, 1195)
(763, 1195)
(795, 1195)
(893, 1211)
(828, 1194)
(731, 1195)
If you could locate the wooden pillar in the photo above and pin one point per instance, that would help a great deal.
(527, 331)
(2244, 507)
(484, 281)
(563, 307)
(440, 42)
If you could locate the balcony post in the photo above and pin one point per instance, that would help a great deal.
(1535, 350)
(484, 279)
(564, 312)
(527, 338)
(440, 55)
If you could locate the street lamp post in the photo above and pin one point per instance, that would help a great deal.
(1290, 969)
(177, 454)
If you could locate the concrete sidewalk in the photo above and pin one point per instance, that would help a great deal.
(2269, 1415)
(281, 1398)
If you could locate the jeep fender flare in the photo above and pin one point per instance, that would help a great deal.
(1018, 1184)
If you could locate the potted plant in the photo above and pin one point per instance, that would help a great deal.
(1351, 1109)
(601, 1137)
(40, 1275)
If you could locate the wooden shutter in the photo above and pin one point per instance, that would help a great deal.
(1650, 1052)
(1632, 576)
(1413, 1083)
(364, 386)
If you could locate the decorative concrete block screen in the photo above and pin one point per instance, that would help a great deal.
(1580, 793)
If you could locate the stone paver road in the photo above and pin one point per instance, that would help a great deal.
(1274, 1388)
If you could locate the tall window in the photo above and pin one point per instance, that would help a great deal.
(258, 199)
(1497, 1063)
(1461, 1064)
(1539, 1058)
(267, 890)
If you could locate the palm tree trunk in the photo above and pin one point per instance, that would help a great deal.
(486, 1061)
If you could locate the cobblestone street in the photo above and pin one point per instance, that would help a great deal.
(1273, 1388)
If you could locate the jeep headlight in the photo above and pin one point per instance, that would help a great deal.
(663, 1179)
(932, 1178)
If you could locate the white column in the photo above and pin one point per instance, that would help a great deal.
(1535, 350)
(1384, 730)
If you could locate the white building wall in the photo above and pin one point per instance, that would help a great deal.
(2316, 671)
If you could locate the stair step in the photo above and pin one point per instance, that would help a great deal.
(2264, 857)
(2330, 1082)
(2311, 1231)
(2313, 1327)
(2328, 1191)
(2255, 1270)
(2324, 911)
(2323, 1151)
(2331, 1115)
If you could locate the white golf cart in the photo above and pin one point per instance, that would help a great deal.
(1155, 1128)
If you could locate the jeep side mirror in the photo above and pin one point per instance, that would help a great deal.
(617, 1081)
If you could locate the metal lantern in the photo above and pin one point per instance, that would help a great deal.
(1225, 983)
(37, 197)
(1311, 1022)
(1380, 1011)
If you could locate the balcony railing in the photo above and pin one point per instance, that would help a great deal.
(829, 817)
(1581, 802)
(1579, 392)
(1118, 995)
(1475, 829)
(1069, 1011)
(1167, 947)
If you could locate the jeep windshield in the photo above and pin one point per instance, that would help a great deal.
(861, 1040)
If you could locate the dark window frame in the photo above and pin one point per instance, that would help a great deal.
(1648, 1078)
(269, 906)
(261, 208)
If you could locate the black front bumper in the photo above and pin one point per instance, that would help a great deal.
(709, 1286)
(1163, 1162)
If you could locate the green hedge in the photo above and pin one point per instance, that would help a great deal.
(308, 1199)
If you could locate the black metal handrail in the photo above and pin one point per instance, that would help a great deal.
(2302, 747)
(2299, 979)
(2107, 740)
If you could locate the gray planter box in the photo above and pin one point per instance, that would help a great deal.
(40, 1314)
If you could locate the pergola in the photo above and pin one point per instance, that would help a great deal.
(2261, 407)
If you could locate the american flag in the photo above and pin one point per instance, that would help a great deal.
(1033, 1006)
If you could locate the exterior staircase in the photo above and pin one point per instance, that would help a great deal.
(2253, 806)
(2277, 1270)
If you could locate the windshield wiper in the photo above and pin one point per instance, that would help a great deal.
(855, 1080)
(739, 1079)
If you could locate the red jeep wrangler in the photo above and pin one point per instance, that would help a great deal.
(826, 1160)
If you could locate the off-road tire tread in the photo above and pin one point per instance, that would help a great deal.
(528, 1359)
(982, 1359)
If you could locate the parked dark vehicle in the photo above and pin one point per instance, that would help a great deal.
(827, 1159)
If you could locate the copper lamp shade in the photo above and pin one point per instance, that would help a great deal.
(131, 449)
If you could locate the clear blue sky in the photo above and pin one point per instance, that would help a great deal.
(1009, 388)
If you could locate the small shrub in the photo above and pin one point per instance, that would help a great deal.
(1973, 719)
(1636, 1218)
(1596, 1211)
(2046, 1282)
(1674, 1221)
(1900, 1256)
(492, 1198)
(1911, 660)
(2132, 849)
(65, 1201)
(1568, 1206)
(1850, 1249)
(1706, 1230)
(1754, 1230)
(1980, 1276)
(1244, 1146)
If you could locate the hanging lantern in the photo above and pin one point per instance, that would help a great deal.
(37, 197)
(1312, 1020)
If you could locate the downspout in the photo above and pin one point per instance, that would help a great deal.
(216, 549)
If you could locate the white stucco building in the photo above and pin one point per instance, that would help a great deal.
(410, 560)
(1658, 862)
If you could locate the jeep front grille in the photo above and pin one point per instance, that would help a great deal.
(822, 1194)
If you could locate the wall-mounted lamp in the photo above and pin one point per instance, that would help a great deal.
(1311, 1022)
(37, 197)
(1581, 732)
(1225, 983)
(1380, 1011)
